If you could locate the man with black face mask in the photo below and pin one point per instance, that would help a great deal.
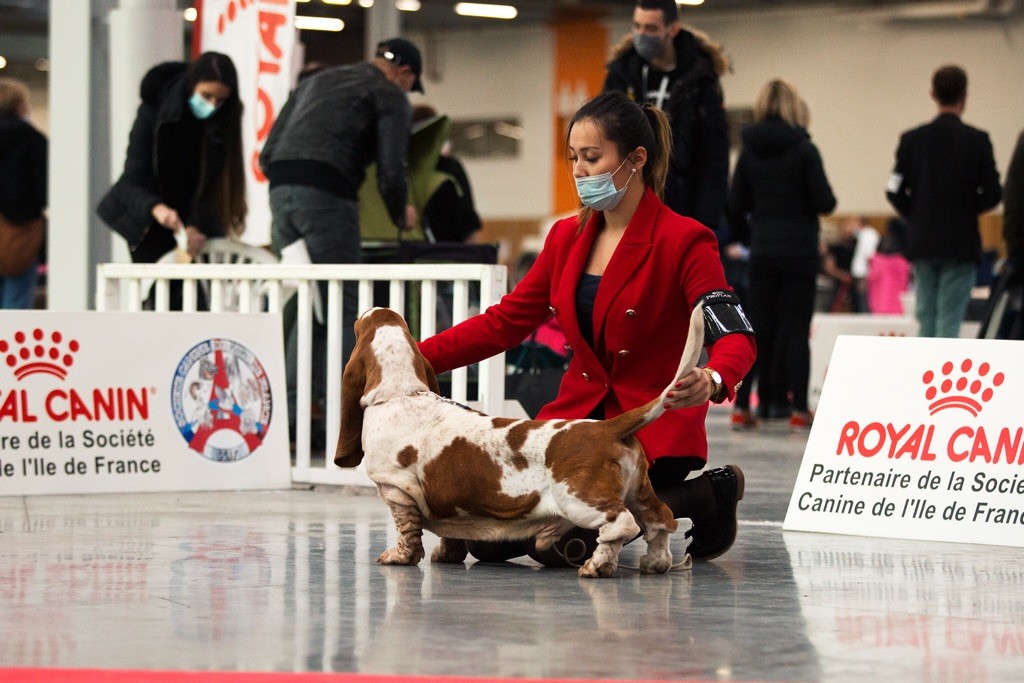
(677, 69)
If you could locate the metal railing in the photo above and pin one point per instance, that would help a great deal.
(420, 292)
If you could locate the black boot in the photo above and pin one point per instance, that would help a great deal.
(497, 551)
(709, 501)
(715, 532)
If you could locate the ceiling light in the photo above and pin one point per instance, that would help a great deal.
(3, 61)
(337, 2)
(366, 3)
(689, 2)
(479, 9)
(190, 14)
(408, 5)
(302, 0)
(318, 24)
(42, 64)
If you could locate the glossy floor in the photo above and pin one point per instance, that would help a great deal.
(287, 581)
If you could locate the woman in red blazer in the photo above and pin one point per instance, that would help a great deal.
(622, 280)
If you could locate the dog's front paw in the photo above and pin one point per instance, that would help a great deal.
(593, 570)
(400, 556)
(652, 563)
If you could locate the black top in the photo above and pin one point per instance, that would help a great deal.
(449, 213)
(586, 293)
(346, 117)
(945, 175)
(1013, 204)
(173, 158)
(698, 175)
(778, 191)
(22, 170)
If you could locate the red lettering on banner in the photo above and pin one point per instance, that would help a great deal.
(1009, 450)
(15, 408)
(1008, 446)
(266, 105)
(120, 403)
(869, 440)
(980, 448)
(269, 23)
(954, 455)
(257, 172)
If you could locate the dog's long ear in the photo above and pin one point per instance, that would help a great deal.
(426, 370)
(353, 384)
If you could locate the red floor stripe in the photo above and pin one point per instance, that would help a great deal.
(127, 676)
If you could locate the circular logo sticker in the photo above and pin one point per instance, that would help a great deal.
(221, 400)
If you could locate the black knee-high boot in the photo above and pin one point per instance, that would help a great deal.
(709, 500)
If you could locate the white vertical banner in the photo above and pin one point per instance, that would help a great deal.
(259, 36)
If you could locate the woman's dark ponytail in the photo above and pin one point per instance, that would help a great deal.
(656, 169)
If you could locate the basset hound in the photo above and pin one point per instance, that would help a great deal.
(466, 476)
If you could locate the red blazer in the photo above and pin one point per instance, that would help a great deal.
(663, 264)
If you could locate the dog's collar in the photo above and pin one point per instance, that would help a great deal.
(444, 399)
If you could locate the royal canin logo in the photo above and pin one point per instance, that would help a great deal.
(39, 353)
(968, 390)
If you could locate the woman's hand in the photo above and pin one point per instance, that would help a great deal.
(693, 390)
(196, 240)
(167, 217)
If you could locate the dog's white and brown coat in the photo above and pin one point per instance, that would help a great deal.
(466, 476)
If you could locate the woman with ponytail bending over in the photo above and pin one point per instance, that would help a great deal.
(622, 279)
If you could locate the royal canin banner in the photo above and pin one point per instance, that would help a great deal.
(104, 402)
(917, 439)
(259, 36)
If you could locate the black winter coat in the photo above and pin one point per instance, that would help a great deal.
(1013, 205)
(22, 170)
(945, 176)
(347, 117)
(698, 176)
(172, 158)
(779, 189)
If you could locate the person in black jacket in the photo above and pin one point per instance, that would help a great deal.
(779, 189)
(677, 69)
(335, 124)
(1013, 207)
(184, 167)
(22, 190)
(945, 175)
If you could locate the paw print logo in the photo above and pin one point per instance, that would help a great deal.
(967, 386)
(231, 12)
(36, 352)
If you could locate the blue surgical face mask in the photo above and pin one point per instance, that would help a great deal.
(647, 46)
(599, 192)
(201, 107)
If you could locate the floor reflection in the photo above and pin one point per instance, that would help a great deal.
(288, 581)
(951, 612)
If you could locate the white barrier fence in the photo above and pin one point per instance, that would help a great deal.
(426, 294)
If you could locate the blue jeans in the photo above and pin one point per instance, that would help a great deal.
(19, 291)
(942, 288)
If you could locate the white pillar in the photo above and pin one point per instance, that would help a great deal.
(383, 21)
(143, 33)
(69, 277)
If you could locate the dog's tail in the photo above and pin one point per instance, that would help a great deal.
(634, 420)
